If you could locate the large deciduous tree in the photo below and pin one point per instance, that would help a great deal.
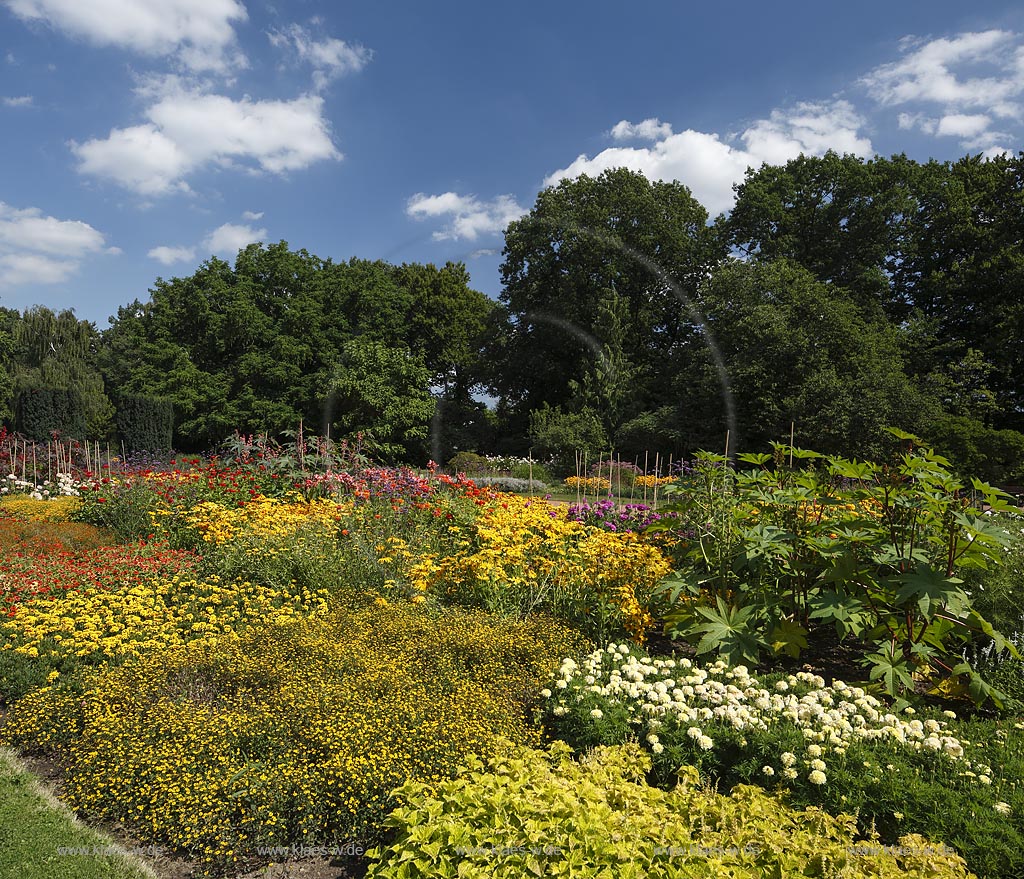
(254, 347)
(796, 351)
(380, 393)
(596, 283)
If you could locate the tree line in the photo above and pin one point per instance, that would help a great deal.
(838, 297)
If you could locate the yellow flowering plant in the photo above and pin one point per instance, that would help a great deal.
(522, 556)
(290, 734)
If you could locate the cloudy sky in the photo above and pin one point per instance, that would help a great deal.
(141, 137)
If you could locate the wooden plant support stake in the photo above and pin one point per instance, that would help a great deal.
(646, 453)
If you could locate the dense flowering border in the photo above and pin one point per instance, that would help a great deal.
(675, 694)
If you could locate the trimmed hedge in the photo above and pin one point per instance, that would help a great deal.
(145, 424)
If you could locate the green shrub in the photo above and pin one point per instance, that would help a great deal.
(469, 463)
(42, 411)
(537, 813)
(560, 435)
(124, 507)
(145, 424)
(872, 551)
(976, 450)
(832, 747)
(997, 592)
(538, 472)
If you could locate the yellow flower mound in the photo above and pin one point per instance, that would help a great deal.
(293, 734)
(524, 556)
(31, 509)
(262, 517)
(161, 613)
(588, 483)
(651, 481)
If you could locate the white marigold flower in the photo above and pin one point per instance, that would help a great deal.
(559, 711)
(814, 750)
(782, 686)
(695, 732)
(705, 743)
(1002, 808)
(653, 739)
(984, 779)
(657, 748)
(546, 693)
(768, 770)
(597, 714)
(817, 777)
(788, 758)
(819, 765)
(561, 684)
(950, 714)
(789, 773)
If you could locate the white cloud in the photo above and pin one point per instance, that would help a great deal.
(39, 249)
(470, 217)
(252, 215)
(171, 255)
(649, 129)
(928, 73)
(18, 269)
(944, 79)
(188, 130)
(709, 166)
(329, 57)
(23, 101)
(963, 125)
(200, 33)
(141, 158)
(230, 238)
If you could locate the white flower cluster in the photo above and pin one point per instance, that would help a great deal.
(656, 691)
(65, 485)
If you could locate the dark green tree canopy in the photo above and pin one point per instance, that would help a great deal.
(256, 346)
(56, 352)
(596, 279)
(800, 352)
(937, 247)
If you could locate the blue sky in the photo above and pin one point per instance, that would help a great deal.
(140, 137)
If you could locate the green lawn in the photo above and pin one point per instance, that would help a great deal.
(41, 839)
